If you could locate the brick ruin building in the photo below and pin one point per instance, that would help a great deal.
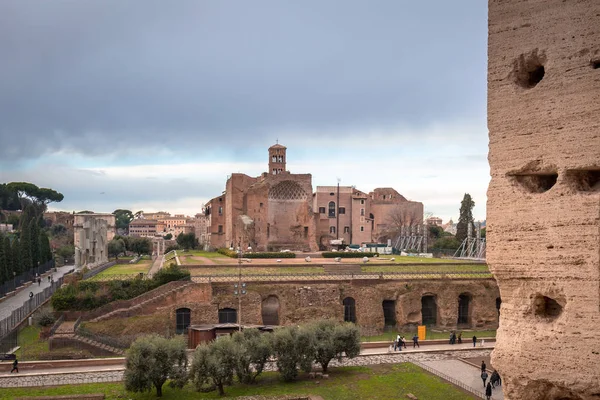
(278, 210)
(543, 210)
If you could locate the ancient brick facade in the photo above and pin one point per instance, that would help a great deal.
(278, 210)
(543, 212)
(92, 232)
(299, 302)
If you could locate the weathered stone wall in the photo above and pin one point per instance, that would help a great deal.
(543, 212)
(306, 301)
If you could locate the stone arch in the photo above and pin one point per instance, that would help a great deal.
(270, 310)
(464, 309)
(349, 309)
(182, 320)
(429, 309)
(227, 316)
(498, 304)
(287, 191)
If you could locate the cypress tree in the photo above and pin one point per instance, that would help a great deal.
(465, 218)
(16, 251)
(3, 269)
(34, 234)
(25, 259)
(45, 251)
(9, 257)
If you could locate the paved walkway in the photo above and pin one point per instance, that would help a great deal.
(464, 373)
(9, 304)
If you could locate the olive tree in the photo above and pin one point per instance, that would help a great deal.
(253, 350)
(293, 347)
(213, 365)
(333, 340)
(151, 360)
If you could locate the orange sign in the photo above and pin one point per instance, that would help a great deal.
(422, 331)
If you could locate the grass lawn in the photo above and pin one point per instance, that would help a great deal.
(425, 267)
(201, 253)
(255, 270)
(390, 336)
(126, 269)
(378, 382)
(31, 345)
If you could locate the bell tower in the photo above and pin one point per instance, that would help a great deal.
(277, 159)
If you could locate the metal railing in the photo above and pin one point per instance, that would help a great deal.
(445, 377)
(99, 269)
(29, 276)
(121, 342)
(120, 277)
(57, 324)
(454, 275)
(19, 315)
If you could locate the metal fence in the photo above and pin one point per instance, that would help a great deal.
(97, 270)
(445, 377)
(9, 341)
(421, 275)
(28, 276)
(18, 315)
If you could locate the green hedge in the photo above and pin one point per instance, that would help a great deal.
(88, 295)
(234, 254)
(334, 254)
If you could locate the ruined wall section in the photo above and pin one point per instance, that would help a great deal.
(543, 212)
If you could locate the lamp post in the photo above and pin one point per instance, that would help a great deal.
(239, 288)
(15, 279)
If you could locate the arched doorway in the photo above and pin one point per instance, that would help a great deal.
(498, 304)
(349, 309)
(464, 309)
(270, 310)
(228, 316)
(428, 310)
(182, 320)
(389, 314)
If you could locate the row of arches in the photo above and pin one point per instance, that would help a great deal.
(429, 310)
(270, 312)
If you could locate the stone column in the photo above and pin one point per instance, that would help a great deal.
(543, 211)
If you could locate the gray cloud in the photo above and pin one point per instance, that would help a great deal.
(103, 76)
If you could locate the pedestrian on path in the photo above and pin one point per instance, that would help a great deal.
(39, 281)
(483, 366)
(402, 341)
(488, 391)
(48, 278)
(484, 377)
(474, 340)
(459, 337)
(416, 341)
(15, 366)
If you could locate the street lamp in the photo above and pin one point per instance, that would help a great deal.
(239, 288)
(15, 279)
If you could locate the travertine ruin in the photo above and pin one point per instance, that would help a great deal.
(92, 234)
(543, 212)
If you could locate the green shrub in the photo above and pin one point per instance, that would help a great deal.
(169, 274)
(334, 254)
(45, 317)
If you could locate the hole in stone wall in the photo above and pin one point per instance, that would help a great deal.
(528, 69)
(584, 180)
(536, 183)
(546, 307)
(595, 63)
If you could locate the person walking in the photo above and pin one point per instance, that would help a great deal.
(483, 366)
(484, 377)
(474, 340)
(416, 341)
(15, 366)
(398, 343)
(459, 337)
(403, 341)
(488, 391)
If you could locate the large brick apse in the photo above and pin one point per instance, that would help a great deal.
(543, 210)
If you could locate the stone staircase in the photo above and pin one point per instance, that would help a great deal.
(98, 345)
(65, 335)
(136, 308)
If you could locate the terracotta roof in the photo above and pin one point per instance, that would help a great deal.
(277, 146)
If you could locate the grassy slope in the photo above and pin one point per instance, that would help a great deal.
(387, 381)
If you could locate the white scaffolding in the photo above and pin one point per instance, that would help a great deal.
(472, 248)
(412, 238)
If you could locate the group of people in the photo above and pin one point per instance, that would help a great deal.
(493, 382)
(454, 338)
(401, 342)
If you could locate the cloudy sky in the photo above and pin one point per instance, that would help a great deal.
(149, 105)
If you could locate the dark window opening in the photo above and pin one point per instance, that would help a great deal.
(389, 314)
(346, 229)
(428, 310)
(228, 316)
(349, 309)
(332, 229)
(220, 229)
(182, 320)
(342, 210)
(464, 301)
(331, 209)
(270, 310)
(595, 64)
(321, 210)
(305, 232)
